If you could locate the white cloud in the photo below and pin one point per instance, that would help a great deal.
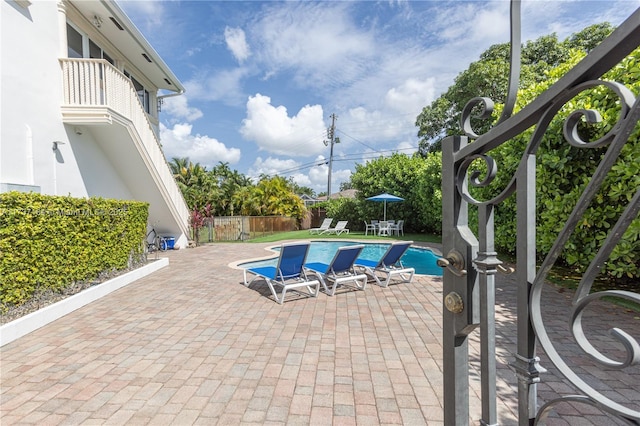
(179, 142)
(370, 128)
(223, 85)
(317, 176)
(314, 177)
(472, 23)
(338, 176)
(275, 132)
(411, 96)
(302, 180)
(569, 16)
(237, 43)
(319, 42)
(272, 166)
(193, 51)
(344, 62)
(151, 13)
(407, 147)
(178, 107)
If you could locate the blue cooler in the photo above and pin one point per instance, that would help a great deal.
(169, 242)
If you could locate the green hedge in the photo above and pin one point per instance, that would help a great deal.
(48, 242)
(563, 172)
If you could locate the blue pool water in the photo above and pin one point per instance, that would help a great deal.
(422, 259)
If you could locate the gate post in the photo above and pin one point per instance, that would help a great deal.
(460, 289)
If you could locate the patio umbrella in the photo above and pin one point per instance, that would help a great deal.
(386, 198)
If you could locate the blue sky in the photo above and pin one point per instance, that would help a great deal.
(264, 77)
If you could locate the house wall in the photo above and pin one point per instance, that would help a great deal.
(31, 96)
(95, 159)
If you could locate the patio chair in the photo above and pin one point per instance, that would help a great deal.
(383, 228)
(341, 227)
(369, 227)
(326, 224)
(389, 265)
(340, 270)
(397, 228)
(288, 274)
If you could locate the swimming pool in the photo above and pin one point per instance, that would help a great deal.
(422, 259)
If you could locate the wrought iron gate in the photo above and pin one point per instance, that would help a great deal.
(472, 264)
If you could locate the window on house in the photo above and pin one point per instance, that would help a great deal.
(81, 46)
(74, 42)
(143, 94)
(95, 52)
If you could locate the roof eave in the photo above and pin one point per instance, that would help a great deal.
(162, 77)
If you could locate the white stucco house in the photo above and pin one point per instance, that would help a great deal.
(80, 96)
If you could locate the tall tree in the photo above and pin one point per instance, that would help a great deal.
(488, 77)
(301, 190)
(406, 177)
(228, 183)
(179, 170)
(193, 180)
(346, 185)
(271, 196)
(563, 170)
(590, 37)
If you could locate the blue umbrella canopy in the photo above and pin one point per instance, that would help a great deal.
(386, 198)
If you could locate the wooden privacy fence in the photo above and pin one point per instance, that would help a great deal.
(241, 228)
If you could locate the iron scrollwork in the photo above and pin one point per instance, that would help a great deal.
(486, 263)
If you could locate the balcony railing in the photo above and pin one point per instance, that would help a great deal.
(92, 86)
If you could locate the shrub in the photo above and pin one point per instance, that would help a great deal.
(48, 242)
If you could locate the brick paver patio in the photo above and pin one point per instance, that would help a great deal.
(190, 344)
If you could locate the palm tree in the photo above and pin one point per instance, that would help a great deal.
(278, 198)
(179, 170)
(229, 182)
(193, 180)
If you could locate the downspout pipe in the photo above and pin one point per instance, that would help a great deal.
(160, 99)
(180, 92)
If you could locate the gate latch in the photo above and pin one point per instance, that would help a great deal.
(454, 262)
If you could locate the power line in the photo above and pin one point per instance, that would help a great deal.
(357, 140)
(332, 139)
(349, 157)
(376, 150)
(302, 167)
(371, 155)
(388, 117)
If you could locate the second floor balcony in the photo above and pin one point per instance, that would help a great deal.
(98, 95)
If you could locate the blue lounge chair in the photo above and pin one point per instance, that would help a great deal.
(288, 274)
(340, 270)
(389, 265)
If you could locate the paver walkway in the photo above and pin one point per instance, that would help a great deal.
(191, 345)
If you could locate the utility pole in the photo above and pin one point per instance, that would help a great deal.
(331, 134)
